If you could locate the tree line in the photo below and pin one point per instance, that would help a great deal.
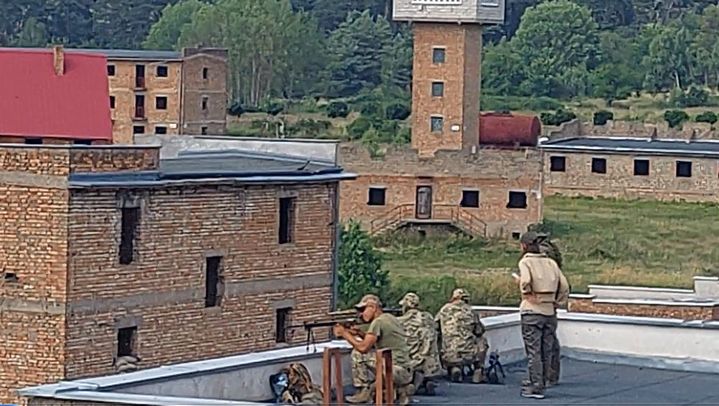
(292, 49)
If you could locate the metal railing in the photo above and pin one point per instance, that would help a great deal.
(466, 221)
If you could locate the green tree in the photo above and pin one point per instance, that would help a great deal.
(360, 266)
(271, 48)
(125, 24)
(557, 40)
(355, 52)
(165, 33)
(668, 60)
(397, 61)
(502, 71)
(33, 34)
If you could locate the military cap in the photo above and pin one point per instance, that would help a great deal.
(367, 300)
(530, 237)
(460, 294)
(410, 300)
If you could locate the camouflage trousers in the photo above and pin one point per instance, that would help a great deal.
(364, 367)
(554, 362)
(475, 355)
(538, 332)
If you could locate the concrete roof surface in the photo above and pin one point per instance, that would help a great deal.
(591, 384)
(641, 145)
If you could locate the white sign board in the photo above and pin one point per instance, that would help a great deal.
(437, 2)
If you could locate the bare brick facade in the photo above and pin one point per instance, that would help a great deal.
(68, 299)
(669, 310)
(158, 92)
(575, 174)
(447, 179)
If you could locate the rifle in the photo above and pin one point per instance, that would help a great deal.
(347, 318)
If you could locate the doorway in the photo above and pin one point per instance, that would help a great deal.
(424, 202)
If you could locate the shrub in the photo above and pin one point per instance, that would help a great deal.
(516, 103)
(360, 267)
(235, 109)
(693, 97)
(371, 109)
(602, 116)
(675, 118)
(358, 127)
(274, 107)
(707, 117)
(309, 127)
(337, 109)
(561, 116)
(397, 111)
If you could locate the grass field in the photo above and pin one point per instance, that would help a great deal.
(602, 241)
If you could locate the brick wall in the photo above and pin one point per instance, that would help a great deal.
(162, 291)
(114, 159)
(195, 87)
(122, 87)
(670, 311)
(460, 74)
(620, 181)
(493, 172)
(60, 402)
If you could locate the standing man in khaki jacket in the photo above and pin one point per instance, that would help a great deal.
(543, 288)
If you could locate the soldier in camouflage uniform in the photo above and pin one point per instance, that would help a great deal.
(462, 338)
(421, 330)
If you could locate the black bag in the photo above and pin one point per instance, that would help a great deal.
(495, 371)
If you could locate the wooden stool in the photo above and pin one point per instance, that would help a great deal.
(384, 378)
(328, 356)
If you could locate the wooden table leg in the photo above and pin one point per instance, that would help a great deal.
(388, 377)
(338, 377)
(327, 377)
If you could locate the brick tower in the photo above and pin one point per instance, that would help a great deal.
(447, 69)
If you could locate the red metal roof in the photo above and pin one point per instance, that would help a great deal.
(35, 102)
(505, 129)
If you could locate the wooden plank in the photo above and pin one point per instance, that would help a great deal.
(327, 377)
(338, 377)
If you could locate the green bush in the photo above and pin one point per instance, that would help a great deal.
(518, 103)
(693, 97)
(602, 116)
(358, 127)
(397, 111)
(309, 127)
(274, 107)
(707, 117)
(675, 118)
(360, 267)
(337, 109)
(235, 109)
(557, 118)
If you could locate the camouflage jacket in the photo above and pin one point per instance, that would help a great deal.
(460, 327)
(421, 329)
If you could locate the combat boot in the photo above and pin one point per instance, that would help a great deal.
(455, 374)
(417, 381)
(363, 396)
(429, 387)
(403, 394)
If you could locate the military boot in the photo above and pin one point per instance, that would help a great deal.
(417, 381)
(478, 376)
(364, 395)
(403, 394)
(429, 387)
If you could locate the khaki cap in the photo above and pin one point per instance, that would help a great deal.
(367, 300)
(411, 300)
(460, 294)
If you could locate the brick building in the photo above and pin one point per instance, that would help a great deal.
(662, 169)
(111, 252)
(166, 92)
(450, 175)
(48, 96)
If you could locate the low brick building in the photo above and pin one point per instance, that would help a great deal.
(632, 168)
(110, 252)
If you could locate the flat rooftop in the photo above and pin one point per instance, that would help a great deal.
(585, 382)
(629, 145)
(219, 166)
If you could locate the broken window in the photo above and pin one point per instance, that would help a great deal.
(160, 129)
(203, 130)
(139, 106)
(557, 163)
(138, 129)
(140, 76)
(205, 73)
(517, 200)
(82, 142)
(437, 89)
(10, 277)
(161, 103)
(214, 281)
(282, 318)
(599, 165)
(376, 196)
(287, 220)
(438, 55)
(112, 102)
(436, 124)
(162, 71)
(33, 141)
(130, 219)
(641, 167)
(684, 169)
(126, 341)
(204, 102)
(516, 235)
(110, 70)
(470, 198)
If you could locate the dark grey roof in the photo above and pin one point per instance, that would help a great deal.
(222, 167)
(647, 146)
(132, 54)
(590, 383)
